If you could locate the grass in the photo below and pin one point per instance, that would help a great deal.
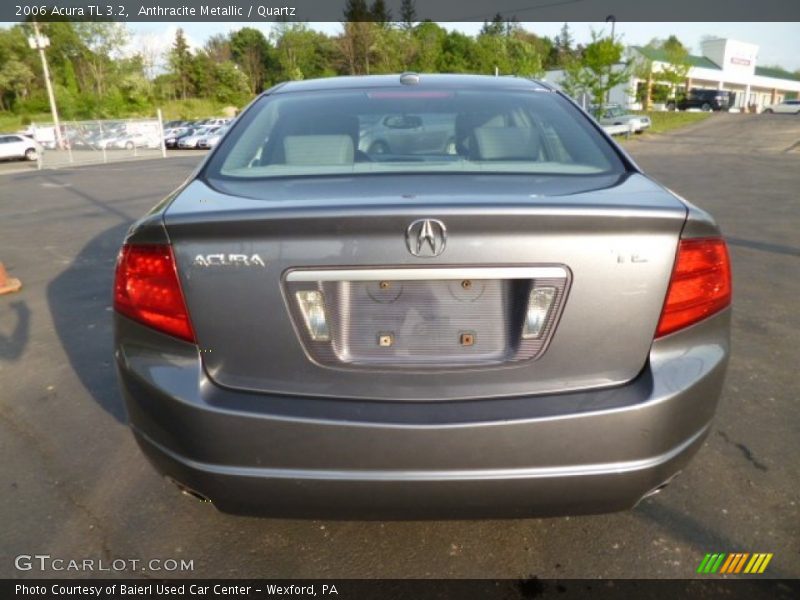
(667, 121)
(11, 123)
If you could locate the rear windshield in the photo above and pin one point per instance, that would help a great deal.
(347, 132)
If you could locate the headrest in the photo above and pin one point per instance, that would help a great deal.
(505, 143)
(318, 150)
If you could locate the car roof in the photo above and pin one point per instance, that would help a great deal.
(479, 82)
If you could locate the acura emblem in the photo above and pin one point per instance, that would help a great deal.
(426, 238)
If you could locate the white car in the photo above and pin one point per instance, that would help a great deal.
(19, 147)
(791, 107)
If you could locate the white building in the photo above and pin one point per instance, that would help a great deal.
(724, 65)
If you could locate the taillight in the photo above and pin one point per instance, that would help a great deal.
(700, 285)
(147, 289)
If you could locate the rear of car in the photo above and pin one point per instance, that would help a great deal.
(706, 100)
(515, 323)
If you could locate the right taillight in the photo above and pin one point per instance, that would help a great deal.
(147, 289)
(700, 285)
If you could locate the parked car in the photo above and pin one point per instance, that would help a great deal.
(614, 114)
(785, 107)
(217, 122)
(211, 140)
(528, 326)
(137, 140)
(705, 100)
(409, 134)
(17, 146)
(171, 141)
(186, 142)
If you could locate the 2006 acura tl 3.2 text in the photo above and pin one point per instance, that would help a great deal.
(421, 296)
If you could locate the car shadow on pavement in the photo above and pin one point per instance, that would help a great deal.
(12, 344)
(80, 302)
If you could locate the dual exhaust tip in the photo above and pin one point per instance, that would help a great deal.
(187, 491)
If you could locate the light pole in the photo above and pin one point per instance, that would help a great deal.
(613, 21)
(40, 42)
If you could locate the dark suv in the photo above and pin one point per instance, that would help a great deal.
(704, 100)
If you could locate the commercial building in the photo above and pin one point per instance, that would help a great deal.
(724, 65)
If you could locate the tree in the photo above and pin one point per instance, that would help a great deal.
(180, 63)
(105, 42)
(301, 52)
(562, 50)
(497, 26)
(357, 11)
(408, 14)
(428, 39)
(458, 52)
(218, 48)
(676, 68)
(380, 13)
(661, 83)
(15, 81)
(599, 69)
(252, 52)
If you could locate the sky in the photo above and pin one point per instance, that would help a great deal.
(779, 43)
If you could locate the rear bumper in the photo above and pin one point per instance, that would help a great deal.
(584, 452)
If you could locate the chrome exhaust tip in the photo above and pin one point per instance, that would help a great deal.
(657, 490)
(187, 491)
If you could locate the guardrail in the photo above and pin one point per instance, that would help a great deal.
(100, 141)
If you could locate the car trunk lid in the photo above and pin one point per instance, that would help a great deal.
(397, 322)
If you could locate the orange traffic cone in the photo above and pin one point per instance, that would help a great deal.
(8, 284)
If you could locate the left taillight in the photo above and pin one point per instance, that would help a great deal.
(147, 289)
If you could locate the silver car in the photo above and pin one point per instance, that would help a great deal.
(616, 115)
(527, 326)
(408, 134)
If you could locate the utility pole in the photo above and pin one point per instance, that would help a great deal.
(40, 42)
(613, 20)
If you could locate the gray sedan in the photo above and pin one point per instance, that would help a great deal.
(528, 325)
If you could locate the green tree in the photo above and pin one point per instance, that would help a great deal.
(562, 50)
(103, 43)
(497, 26)
(408, 14)
(180, 63)
(357, 11)
(599, 69)
(15, 82)
(380, 13)
(252, 52)
(301, 52)
(428, 40)
(676, 69)
(458, 53)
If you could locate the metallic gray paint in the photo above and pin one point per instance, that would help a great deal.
(533, 455)
(605, 415)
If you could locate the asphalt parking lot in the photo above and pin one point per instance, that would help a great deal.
(75, 485)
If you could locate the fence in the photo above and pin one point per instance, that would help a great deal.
(88, 142)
